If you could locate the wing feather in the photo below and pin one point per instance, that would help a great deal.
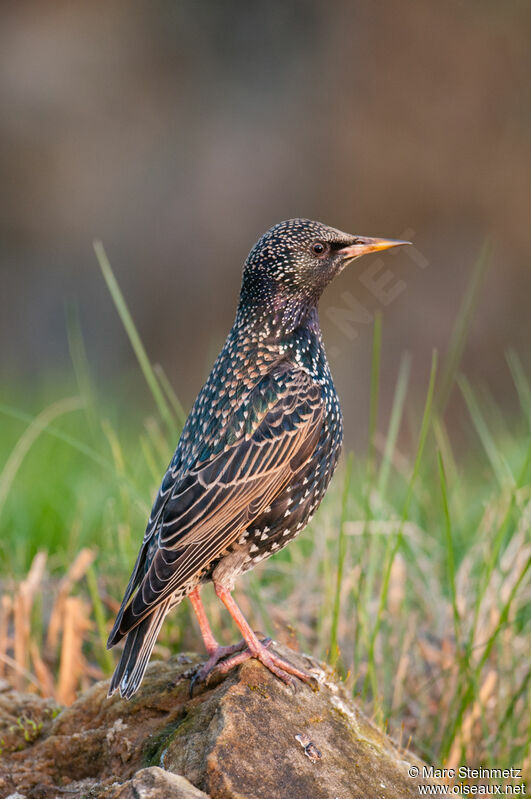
(211, 505)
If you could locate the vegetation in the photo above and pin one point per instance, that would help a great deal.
(412, 580)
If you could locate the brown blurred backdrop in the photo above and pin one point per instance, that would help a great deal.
(177, 132)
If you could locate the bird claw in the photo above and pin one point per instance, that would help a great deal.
(289, 674)
(230, 656)
(285, 670)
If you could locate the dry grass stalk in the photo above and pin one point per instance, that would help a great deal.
(401, 463)
(22, 615)
(465, 739)
(76, 571)
(6, 609)
(384, 527)
(498, 592)
(75, 624)
(526, 768)
(13, 665)
(42, 672)
(69, 620)
(397, 585)
(404, 663)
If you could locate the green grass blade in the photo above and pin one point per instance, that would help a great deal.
(500, 467)
(173, 399)
(424, 429)
(106, 659)
(442, 440)
(504, 616)
(42, 426)
(521, 382)
(341, 553)
(450, 558)
(78, 356)
(134, 338)
(28, 438)
(392, 548)
(394, 422)
(495, 549)
(469, 686)
(471, 690)
(521, 691)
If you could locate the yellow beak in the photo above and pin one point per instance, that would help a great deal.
(365, 245)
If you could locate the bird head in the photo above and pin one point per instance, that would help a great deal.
(295, 260)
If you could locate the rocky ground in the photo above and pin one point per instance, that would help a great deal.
(246, 737)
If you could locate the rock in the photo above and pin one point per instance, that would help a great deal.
(155, 783)
(248, 736)
(24, 718)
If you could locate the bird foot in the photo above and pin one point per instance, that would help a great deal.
(281, 668)
(230, 656)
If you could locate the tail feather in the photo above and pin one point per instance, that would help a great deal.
(137, 651)
(135, 579)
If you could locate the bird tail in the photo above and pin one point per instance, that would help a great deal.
(136, 653)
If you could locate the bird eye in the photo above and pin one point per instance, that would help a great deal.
(319, 248)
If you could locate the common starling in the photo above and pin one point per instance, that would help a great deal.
(255, 456)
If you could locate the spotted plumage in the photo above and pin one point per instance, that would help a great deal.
(257, 451)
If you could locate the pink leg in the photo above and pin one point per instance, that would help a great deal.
(280, 667)
(215, 651)
(206, 632)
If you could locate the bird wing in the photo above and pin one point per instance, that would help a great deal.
(267, 439)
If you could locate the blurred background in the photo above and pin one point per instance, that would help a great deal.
(179, 132)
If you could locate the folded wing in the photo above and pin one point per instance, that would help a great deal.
(267, 439)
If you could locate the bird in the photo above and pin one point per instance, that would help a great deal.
(254, 458)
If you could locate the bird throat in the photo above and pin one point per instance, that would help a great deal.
(280, 316)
